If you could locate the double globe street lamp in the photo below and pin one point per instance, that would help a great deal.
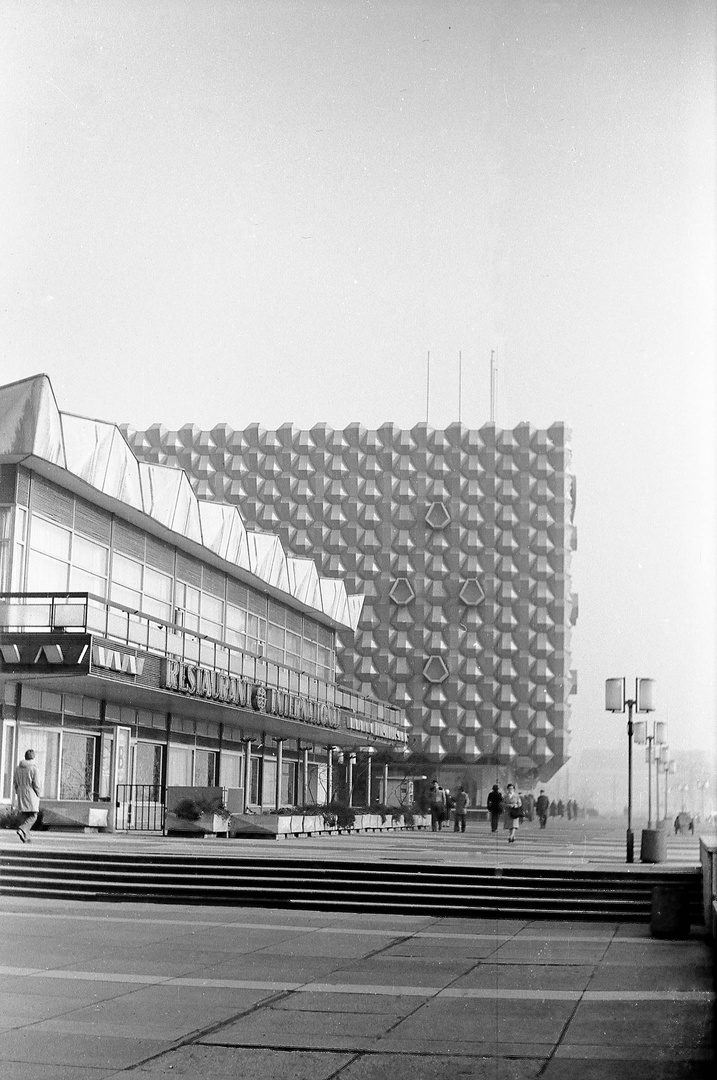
(616, 702)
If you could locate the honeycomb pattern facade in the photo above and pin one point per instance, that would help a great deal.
(461, 541)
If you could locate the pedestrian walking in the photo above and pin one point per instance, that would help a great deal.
(541, 808)
(459, 811)
(513, 812)
(26, 785)
(494, 802)
(437, 805)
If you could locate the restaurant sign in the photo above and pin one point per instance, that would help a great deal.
(201, 682)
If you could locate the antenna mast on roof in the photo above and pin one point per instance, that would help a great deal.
(493, 375)
(428, 383)
(460, 381)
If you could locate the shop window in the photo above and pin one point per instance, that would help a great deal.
(288, 783)
(230, 769)
(46, 745)
(148, 764)
(205, 768)
(268, 787)
(179, 766)
(8, 759)
(77, 766)
(255, 781)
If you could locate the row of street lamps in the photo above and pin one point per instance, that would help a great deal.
(617, 702)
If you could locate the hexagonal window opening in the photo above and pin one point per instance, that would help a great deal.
(437, 515)
(401, 592)
(471, 592)
(435, 670)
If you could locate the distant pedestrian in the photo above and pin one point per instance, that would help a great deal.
(553, 809)
(569, 810)
(513, 812)
(437, 804)
(494, 802)
(459, 810)
(26, 784)
(541, 808)
(528, 805)
(561, 808)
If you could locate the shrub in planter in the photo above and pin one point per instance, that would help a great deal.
(192, 809)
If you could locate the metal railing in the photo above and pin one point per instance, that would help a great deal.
(140, 808)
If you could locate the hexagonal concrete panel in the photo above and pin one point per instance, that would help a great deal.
(435, 669)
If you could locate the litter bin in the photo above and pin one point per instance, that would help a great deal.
(670, 911)
(653, 848)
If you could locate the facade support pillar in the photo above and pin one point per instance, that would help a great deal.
(247, 773)
(279, 770)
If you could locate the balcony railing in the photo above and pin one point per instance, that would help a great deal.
(85, 613)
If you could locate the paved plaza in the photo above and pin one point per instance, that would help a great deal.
(92, 991)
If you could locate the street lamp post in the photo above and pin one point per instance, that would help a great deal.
(615, 701)
(652, 756)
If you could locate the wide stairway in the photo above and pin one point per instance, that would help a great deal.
(400, 888)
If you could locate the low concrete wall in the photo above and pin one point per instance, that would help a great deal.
(708, 859)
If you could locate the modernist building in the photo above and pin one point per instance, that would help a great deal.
(149, 639)
(460, 541)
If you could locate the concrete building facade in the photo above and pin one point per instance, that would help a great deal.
(460, 541)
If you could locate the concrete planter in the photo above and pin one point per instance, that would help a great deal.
(65, 814)
(206, 825)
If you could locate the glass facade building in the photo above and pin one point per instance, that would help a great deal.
(149, 640)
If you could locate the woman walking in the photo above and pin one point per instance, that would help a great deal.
(513, 807)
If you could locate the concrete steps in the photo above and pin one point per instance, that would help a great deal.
(398, 888)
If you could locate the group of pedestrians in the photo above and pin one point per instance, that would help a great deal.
(441, 803)
(509, 806)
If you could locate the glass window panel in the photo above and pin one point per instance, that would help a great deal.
(126, 571)
(230, 769)
(46, 745)
(157, 607)
(50, 539)
(288, 783)
(82, 581)
(89, 555)
(8, 759)
(45, 574)
(212, 609)
(212, 629)
(188, 597)
(273, 653)
(236, 618)
(148, 764)
(205, 768)
(179, 766)
(77, 766)
(157, 585)
(122, 595)
(268, 787)
(255, 784)
(276, 635)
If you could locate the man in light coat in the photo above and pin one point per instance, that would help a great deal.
(26, 783)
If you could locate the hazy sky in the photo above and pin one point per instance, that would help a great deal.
(271, 211)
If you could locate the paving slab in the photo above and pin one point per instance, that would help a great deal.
(239, 1063)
